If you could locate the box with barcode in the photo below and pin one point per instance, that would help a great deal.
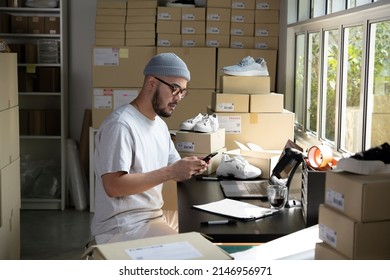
(201, 143)
(355, 240)
(230, 102)
(364, 198)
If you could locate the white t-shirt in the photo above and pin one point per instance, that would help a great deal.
(130, 142)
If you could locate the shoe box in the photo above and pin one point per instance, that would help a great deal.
(323, 251)
(364, 198)
(265, 160)
(354, 239)
(270, 131)
(199, 143)
(230, 102)
(247, 85)
(214, 162)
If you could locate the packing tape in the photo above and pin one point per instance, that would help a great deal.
(320, 157)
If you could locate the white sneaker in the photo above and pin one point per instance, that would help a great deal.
(190, 123)
(238, 167)
(247, 67)
(209, 124)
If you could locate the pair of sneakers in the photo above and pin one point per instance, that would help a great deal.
(372, 161)
(201, 123)
(248, 66)
(237, 167)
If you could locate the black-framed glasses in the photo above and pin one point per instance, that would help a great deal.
(175, 88)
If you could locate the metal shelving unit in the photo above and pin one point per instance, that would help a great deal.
(47, 190)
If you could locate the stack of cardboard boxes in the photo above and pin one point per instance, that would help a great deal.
(354, 221)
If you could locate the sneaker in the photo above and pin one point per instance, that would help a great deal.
(209, 124)
(237, 167)
(190, 123)
(261, 61)
(372, 161)
(247, 67)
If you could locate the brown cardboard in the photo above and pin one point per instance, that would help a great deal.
(245, 85)
(266, 29)
(266, 16)
(193, 27)
(168, 13)
(110, 12)
(137, 42)
(19, 24)
(140, 27)
(243, 16)
(217, 41)
(109, 42)
(265, 160)
(110, 34)
(112, 4)
(141, 19)
(241, 29)
(195, 102)
(125, 71)
(266, 43)
(218, 4)
(199, 143)
(243, 4)
(270, 131)
(230, 102)
(217, 27)
(323, 251)
(142, 4)
(355, 240)
(360, 197)
(193, 40)
(263, 103)
(242, 42)
(110, 19)
(52, 25)
(228, 56)
(201, 77)
(140, 12)
(218, 14)
(191, 14)
(203, 249)
(168, 27)
(267, 5)
(168, 40)
(140, 34)
(109, 27)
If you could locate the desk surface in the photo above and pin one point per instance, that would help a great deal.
(263, 230)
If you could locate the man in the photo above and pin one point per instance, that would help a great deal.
(135, 155)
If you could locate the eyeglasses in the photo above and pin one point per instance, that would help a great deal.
(175, 88)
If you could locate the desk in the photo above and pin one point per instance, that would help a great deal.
(263, 230)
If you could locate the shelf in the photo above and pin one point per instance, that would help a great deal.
(30, 10)
(39, 93)
(37, 137)
(28, 35)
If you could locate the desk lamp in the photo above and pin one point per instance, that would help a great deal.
(288, 164)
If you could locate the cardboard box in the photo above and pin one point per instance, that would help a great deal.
(217, 41)
(266, 43)
(193, 27)
(168, 13)
(120, 67)
(246, 85)
(267, 5)
(312, 194)
(266, 29)
(106, 100)
(266, 103)
(109, 42)
(19, 24)
(195, 102)
(217, 27)
(191, 14)
(112, 4)
(243, 16)
(168, 27)
(191, 245)
(199, 143)
(36, 25)
(265, 160)
(110, 27)
(360, 197)
(355, 240)
(243, 4)
(110, 19)
(201, 77)
(242, 42)
(140, 27)
(142, 4)
(266, 16)
(241, 29)
(140, 34)
(136, 42)
(9, 72)
(168, 40)
(230, 102)
(229, 56)
(110, 34)
(110, 12)
(52, 25)
(218, 14)
(141, 19)
(190, 40)
(218, 4)
(9, 142)
(140, 13)
(323, 251)
(270, 131)
(214, 162)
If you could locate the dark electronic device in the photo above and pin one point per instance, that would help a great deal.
(209, 156)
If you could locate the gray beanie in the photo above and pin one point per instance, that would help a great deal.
(167, 64)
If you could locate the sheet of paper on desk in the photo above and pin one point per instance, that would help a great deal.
(235, 208)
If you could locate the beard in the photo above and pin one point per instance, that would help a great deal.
(158, 106)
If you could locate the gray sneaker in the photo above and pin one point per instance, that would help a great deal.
(248, 66)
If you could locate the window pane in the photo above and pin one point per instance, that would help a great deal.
(292, 11)
(379, 85)
(331, 53)
(318, 8)
(352, 120)
(312, 81)
(299, 78)
(356, 3)
(335, 6)
(303, 10)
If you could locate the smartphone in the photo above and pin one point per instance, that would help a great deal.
(209, 156)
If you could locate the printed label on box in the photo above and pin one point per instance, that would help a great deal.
(122, 97)
(231, 124)
(334, 199)
(164, 16)
(185, 146)
(328, 235)
(225, 107)
(263, 6)
(102, 102)
(106, 56)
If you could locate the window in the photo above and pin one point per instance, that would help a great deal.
(341, 73)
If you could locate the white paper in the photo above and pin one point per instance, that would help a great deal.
(237, 209)
(106, 56)
(171, 251)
